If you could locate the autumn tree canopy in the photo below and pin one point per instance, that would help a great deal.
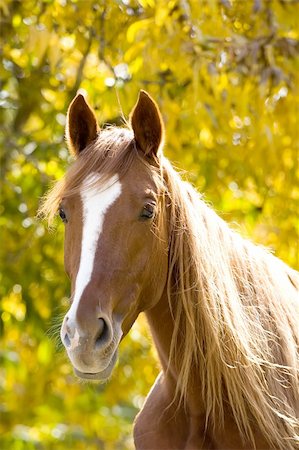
(224, 73)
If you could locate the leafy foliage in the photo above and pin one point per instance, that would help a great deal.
(224, 73)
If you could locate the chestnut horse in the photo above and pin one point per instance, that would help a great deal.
(222, 311)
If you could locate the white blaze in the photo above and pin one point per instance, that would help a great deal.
(95, 203)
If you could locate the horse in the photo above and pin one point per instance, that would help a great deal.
(222, 311)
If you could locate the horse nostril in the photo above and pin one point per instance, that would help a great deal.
(67, 340)
(103, 332)
(102, 325)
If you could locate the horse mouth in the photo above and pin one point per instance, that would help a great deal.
(103, 375)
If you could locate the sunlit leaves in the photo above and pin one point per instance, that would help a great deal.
(224, 74)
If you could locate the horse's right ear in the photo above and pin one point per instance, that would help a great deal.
(81, 125)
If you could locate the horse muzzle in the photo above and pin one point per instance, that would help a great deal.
(103, 375)
(92, 352)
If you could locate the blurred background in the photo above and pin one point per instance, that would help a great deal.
(224, 74)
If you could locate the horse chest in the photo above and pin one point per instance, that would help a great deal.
(162, 425)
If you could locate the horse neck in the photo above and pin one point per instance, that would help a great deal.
(161, 323)
(161, 326)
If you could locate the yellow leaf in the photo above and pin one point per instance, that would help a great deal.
(135, 28)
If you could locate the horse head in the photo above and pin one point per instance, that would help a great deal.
(112, 207)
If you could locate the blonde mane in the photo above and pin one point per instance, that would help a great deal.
(233, 303)
(236, 307)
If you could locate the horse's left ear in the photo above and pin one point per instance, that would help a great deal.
(81, 125)
(147, 124)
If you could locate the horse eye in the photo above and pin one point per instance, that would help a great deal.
(62, 215)
(148, 211)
